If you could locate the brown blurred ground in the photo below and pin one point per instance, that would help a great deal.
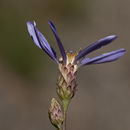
(28, 76)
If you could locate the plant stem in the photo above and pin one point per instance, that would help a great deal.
(65, 106)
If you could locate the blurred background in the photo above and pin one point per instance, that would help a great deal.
(28, 76)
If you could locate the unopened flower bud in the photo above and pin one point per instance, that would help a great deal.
(55, 113)
(67, 79)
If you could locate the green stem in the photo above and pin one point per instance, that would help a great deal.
(65, 106)
(59, 128)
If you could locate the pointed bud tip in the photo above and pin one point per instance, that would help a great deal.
(53, 100)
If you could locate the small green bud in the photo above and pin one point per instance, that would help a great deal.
(55, 113)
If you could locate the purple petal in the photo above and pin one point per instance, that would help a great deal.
(40, 40)
(106, 57)
(100, 43)
(62, 50)
(84, 61)
(30, 27)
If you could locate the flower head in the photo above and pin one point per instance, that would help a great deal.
(70, 62)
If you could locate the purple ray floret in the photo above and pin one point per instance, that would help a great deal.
(106, 57)
(62, 50)
(80, 59)
(96, 45)
(40, 40)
